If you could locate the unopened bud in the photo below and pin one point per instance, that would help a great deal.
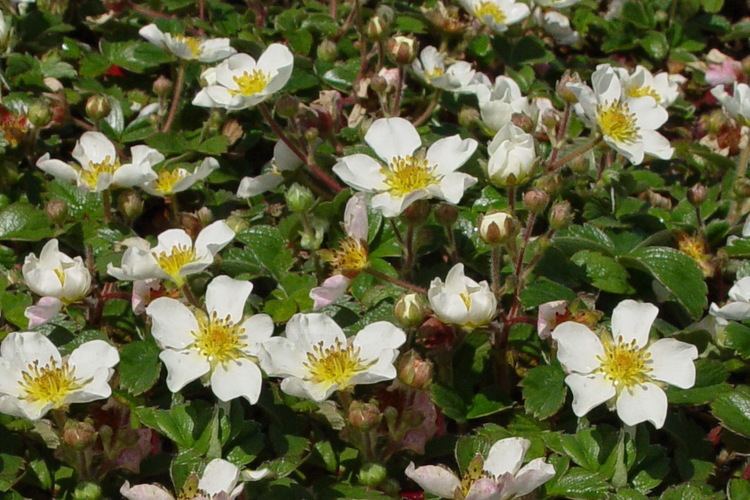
(375, 28)
(741, 187)
(87, 491)
(697, 194)
(496, 228)
(372, 474)
(78, 435)
(205, 216)
(299, 198)
(560, 215)
(446, 214)
(363, 416)
(410, 310)
(468, 116)
(130, 204)
(287, 106)
(162, 86)
(417, 212)
(97, 107)
(312, 134)
(549, 183)
(237, 223)
(39, 113)
(379, 84)
(402, 49)
(564, 91)
(232, 130)
(414, 371)
(57, 211)
(523, 122)
(327, 51)
(535, 200)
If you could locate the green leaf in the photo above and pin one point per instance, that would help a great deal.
(543, 290)
(182, 424)
(265, 253)
(449, 401)
(677, 272)
(578, 483)
(544, 390)
(689, 492)
(135, 56)
(733, 409)
(713, 6)
(709, 384)
(24, 222)
(487, 403)
(13, 306)
(586, 237)
(739, 248)
(655, 44)
(737, 337)
(139, 366)
(604, 272)
(11, 469)
(738, 489)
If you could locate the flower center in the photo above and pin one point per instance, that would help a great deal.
(60, 275)
(178, 257)
(90, 175)
(435, 72)
(474, 472)
(219, 339)
(193, 44)
(49, 384)
(407, 174)
(250, 83)
(625, 365)
(617, 122)
(490, 10)
(644, 91)
(466, 298)
(13, 127)
(351, 256)
(336, 364)
(167, 179)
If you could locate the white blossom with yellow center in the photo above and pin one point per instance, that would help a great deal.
(170, 182)
(431, 67)
(405, 176)
(736, 105)
(174, 257)
(189, 48)
(34, 378)
(55, 274)
(99, 167)
(627, 123)
(461, 301)
(663, 87)
(219, 344)
(240, 82)
(315, 358)
(623, 368)
(497, 14)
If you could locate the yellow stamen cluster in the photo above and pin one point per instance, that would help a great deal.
(407, 174)
(108, 166)
(250, 83)
(350, 257)
(193, 44)
(219, 339)
(435, 72)
(474, 472)
(617, 122)
(48, 384)
(167, 179)
(336, 364)
(177, 258)
(644, 91)
(490, 10)
(625, 364)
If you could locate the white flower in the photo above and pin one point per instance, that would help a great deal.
(624, 368)
(497, 14)
(284, 160)
(315, 358)
(34, 378)
(175, 255)
(736, 105)
(240, 82)
(188, 47)
(99, 166)
(170, 182)
(218, 344)
(221, 480)
(557, 25)
(512, 156)
(54, 274)
(502, 475)
(663, 87)
(430, 67)
(738, 306)
(499, 102)
(462, 301)
(548, 316)
(628, 124)
(406, 176)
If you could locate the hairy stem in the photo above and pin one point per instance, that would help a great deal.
(427, 113)
(579, 151)
(496, 263)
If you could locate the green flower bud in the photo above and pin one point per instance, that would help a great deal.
(411, 310)
(87, 491)
(327, 51)
(39, 113)
(363, 416)
(372, 474)
(97, 107)
(299, 198)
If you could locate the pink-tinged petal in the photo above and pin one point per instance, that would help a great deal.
(632, 321)
(547, 316)
(330, 291)
(355, 217)
(645, 402)
(145, 492)
(672, 362)
(44, 310)
(434, 479)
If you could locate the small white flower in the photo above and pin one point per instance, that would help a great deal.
(99, 167)
(497, 14)
(548, 316)
(240, 82)
(502, 475)
(430, 66)
(54, 274)
(188, 47)
(406, 176)
(663, 87)
(498, 103)
(284, 160)
(315, 358)
(219, 344)
(628, 124)
(736, 105)
(170, 182)
(624, 369)
(462, 301)
(557, 25)
(738, 306)
(175, 256)
(34, 378)
(512, 156)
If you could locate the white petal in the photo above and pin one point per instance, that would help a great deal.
(632, 321)
(589, 391)
(278, 61)
(450, 153)
(214, 237)
(57, 168)
(281, 357)
(234, 379)
(44, 310)
(645, 402)
(656, 145)
(355, 217)
(219, 476)
(390, 137)
(454, 184)
(94, 147)
(376, 337)
(215, 49)
(506, 456)
(172, 323)
(307, 390)
(306, 330)
(183, 367)
(258, 328)
(253, 186)
(23, 348)
(145, 492)
(434, 479)
(530, 477)
(226, 297)
(361, 172)
(388, 205)
(153, 34)
(672, 362)
(91, 356)
(577, 347)
(449, 307)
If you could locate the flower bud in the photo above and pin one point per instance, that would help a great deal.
(57, 211)
(372, 474)
(496, 228)
(379, 84)
(560, 215)
(549, 183)
(523, 122)
(697, 194)
(78, 435)
(417, 212)
(386, 14)
(413, 371)
(299, 198)
(535, 200)
(468, 116)
(411, 310)
(741, 187)
(205, 216)
(232, 130)
(327, 51)
(97, 107)
(287, 106)
(446, 214)
(87, 491)
(363, 416)
(402, 49)
(130, 204)
(237, 223)
(375, 28)
(564, 91)
(39, 113)
(162, 86)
